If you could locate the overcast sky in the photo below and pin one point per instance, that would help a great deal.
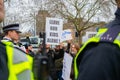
(20, 10)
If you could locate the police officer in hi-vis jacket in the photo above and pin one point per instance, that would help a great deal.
(99, 57)
(14, 63)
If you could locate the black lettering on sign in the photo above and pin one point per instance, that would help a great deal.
(53, 28)
(52, 34)
(54, 22)
(51, 40)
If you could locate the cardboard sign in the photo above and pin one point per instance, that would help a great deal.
(54, 28)
(67, 64)
(66, 35)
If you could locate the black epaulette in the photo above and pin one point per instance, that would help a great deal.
(110, 35)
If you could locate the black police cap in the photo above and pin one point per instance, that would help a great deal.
(11, 27)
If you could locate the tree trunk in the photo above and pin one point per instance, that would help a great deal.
(80, 38)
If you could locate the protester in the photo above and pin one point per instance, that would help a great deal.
(14, 64)
(58, 58)
(29, 50)
(50, 54)
(74, 48)
(42, 64)
(39, 49)
(99, 58)
(55, 57)
(68, 72)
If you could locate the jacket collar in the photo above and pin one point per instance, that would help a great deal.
(117, 13)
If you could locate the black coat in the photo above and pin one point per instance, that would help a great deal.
(3, 63)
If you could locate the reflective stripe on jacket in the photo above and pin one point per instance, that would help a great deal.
(19, 64)
(95, 39)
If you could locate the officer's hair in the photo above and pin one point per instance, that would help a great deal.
(6, 32)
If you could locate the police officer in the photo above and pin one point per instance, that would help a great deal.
(14, 64)
(99, 58)
(12, 32)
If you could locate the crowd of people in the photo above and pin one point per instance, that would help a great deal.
(56, 58)
(97, 59)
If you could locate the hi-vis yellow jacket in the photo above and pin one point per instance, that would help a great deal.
(95, 39)
(19, 64)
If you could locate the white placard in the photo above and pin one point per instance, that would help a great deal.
(66, 35)
(67, 64)
(54, 28)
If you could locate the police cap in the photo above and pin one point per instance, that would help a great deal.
(11, 27)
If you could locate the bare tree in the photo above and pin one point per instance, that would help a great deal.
(80, 13)
(19, 11)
